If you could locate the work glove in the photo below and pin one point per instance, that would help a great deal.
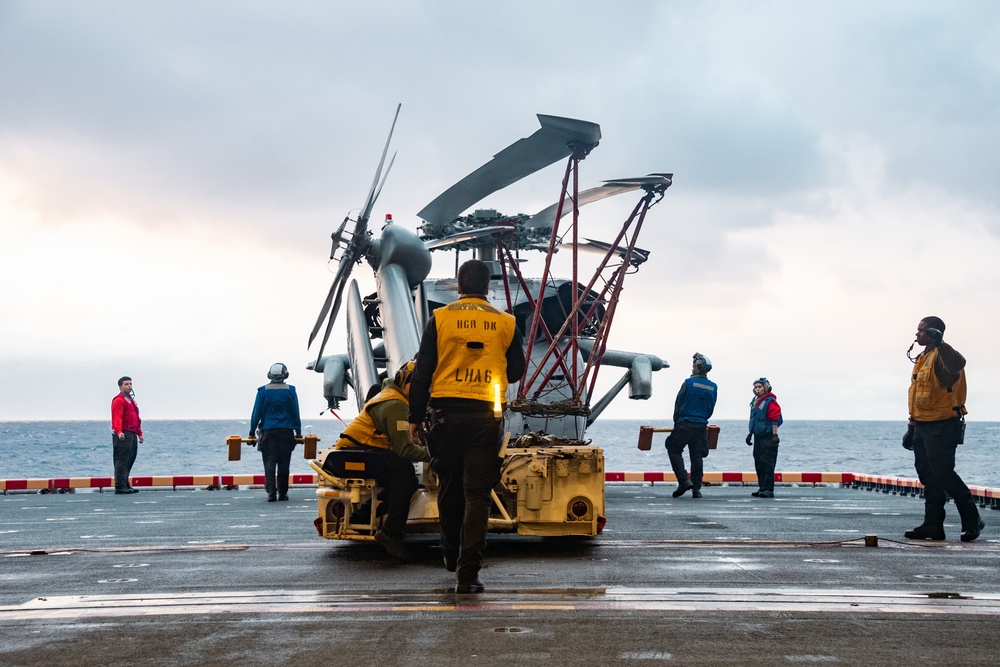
(908, 439)
(749, 439)
(775, 440)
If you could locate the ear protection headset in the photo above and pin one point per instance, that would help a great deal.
(277, 373)
(702, 363)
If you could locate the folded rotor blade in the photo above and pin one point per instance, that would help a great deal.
(462, 237)
(343, 270)
(603, 246)
(547, 216)
(656, 180)
(333, 315)
(554, 141)
(368, 209)
(356, 248)
(372, 194)
(589, 245)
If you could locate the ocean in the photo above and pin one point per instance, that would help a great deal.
(47, 449)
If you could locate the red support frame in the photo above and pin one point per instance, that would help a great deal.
(562, 353)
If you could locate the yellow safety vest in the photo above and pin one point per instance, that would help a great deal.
(362, 429)
(472, 342)
(928, 400)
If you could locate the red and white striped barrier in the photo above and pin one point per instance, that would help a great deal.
(986, 496)
(737, 477)
(258, 480)
(172, 481)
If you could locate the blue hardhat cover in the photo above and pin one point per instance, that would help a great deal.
(703, 363)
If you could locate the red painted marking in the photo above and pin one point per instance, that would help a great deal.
(17, 484)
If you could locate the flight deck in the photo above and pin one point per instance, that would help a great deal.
(817, 574)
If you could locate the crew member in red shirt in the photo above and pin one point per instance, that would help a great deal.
(126, 434)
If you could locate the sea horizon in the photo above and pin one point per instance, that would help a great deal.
(82, 448)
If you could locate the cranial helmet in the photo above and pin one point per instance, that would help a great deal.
(277, 373)
(702, 363)
(403, 376)
(763, 381)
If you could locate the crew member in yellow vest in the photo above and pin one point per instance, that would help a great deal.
(382, 427)
(936, 428)
(469, 352)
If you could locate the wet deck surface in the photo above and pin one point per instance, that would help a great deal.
(199, 577)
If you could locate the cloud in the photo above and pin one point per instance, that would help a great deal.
(170, 174)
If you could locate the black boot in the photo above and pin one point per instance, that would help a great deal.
(682, 488)
(925, 532)
(474, 586)
(969, 533)
(393, 545)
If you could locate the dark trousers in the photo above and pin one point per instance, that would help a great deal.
(765, 458)
(695, 438)
(276, 445)
(464, 447)
(398, 482)
(934, 445)
(124, 452)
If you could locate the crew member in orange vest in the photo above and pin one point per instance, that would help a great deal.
(468, 354)
(936, 428)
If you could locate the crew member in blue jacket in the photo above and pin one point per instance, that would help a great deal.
(276, 417)
(765, 418)
(693, 408)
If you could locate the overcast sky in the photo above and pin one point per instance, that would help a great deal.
(170, 174)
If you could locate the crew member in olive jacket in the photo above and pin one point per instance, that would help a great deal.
(382, 428)
(936, 427)
(468, 354)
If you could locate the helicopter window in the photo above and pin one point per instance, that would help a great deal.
(555, 310)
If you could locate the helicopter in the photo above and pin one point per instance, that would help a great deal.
(552, 480)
